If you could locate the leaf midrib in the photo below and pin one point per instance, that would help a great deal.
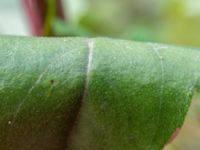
(75, 119)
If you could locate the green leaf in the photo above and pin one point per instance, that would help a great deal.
(93, 94)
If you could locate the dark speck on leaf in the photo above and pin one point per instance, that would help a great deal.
(51, 81)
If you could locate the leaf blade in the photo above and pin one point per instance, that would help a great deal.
(137, 93)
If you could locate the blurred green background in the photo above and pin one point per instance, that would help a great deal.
(167, 21)
(175, 22)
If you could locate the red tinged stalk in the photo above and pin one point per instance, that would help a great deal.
(41, 14)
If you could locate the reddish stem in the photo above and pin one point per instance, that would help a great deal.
(36, 11)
